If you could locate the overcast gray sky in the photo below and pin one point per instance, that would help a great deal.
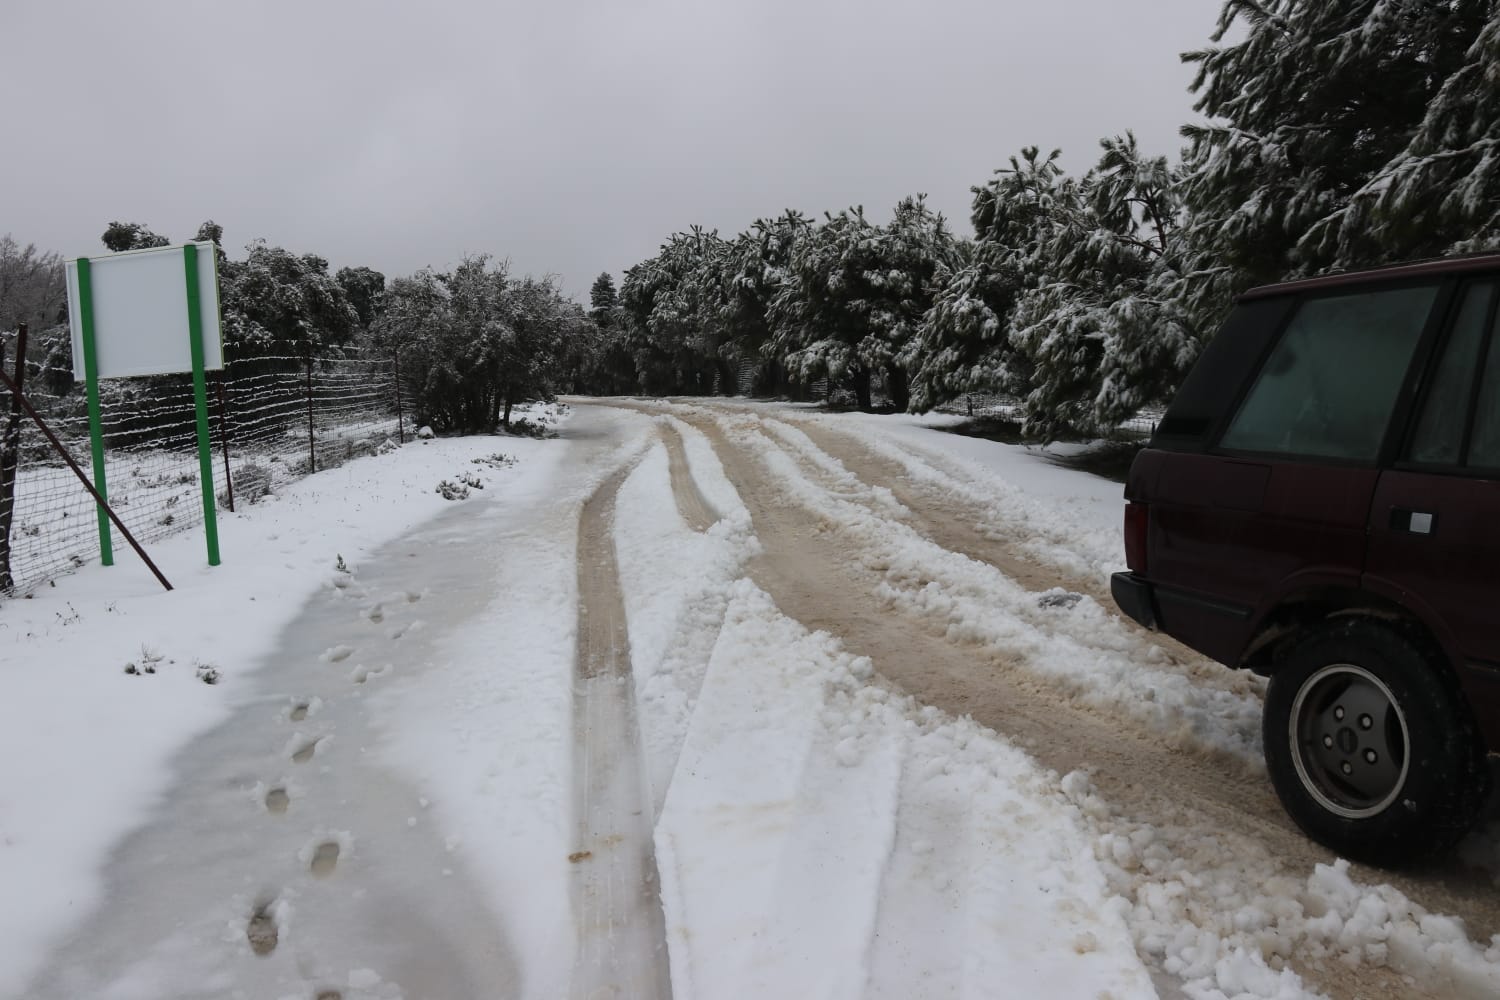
(571, 136)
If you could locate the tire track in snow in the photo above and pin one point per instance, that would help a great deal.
(622, 941)
(695, 510)
(950, 524)
(1194, 847)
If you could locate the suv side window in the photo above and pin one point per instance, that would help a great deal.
(1439, 432)
(1484, 441)
(1329, 385)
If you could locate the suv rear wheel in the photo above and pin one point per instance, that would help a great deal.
(1370, 746)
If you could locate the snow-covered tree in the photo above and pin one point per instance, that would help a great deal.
(475, 342)
(670, 306)
(31, 286)
(752, 273)
(1441, 193)
(963, 343)
(120, 236)
(1316, 100)
(1099, 319)
(855, 293)
(365, 289)
(603, 300)
(278, 302)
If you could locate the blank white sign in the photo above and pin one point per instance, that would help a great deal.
(141, 313)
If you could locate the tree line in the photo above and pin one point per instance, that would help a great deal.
(1334, 134)
(470, 343)
(1337, 134)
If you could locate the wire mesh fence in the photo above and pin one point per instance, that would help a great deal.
(272, 420)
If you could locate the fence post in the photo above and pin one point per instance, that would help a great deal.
(312, 448)
(400, 425)
(10, 458)
(224, 440)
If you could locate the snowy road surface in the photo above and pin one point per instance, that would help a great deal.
(699, 699)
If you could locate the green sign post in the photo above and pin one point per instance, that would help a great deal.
(200, 403)
(129, 319)
(96, 420)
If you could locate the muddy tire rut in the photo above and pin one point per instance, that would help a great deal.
(622, 949)
(808, 569)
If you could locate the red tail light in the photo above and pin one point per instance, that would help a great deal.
(1137, 519)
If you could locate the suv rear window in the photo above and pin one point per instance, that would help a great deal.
(1329, 385)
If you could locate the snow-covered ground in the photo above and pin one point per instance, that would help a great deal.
(380, 796)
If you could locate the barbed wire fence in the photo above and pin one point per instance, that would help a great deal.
(273, 419)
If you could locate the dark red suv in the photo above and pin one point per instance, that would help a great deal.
(1321, 504)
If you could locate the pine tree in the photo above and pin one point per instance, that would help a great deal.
(855, 294)
(1100, 322)
(365, 289)
(119, 236)
(603, 300)
(1316, 100)
(1439, 195)
(963, 344)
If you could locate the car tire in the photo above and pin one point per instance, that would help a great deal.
(1371, 746)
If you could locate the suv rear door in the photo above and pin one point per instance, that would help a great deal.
(1435, 521)
(1283, 500)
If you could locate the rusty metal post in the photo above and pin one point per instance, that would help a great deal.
(312, 447)
(10, 460)
(224, 440)
(400, 425)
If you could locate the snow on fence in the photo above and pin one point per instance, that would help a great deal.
(272, 420)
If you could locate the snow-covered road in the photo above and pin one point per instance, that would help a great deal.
(696, 700)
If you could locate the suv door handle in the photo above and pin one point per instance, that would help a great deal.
(1417, 522)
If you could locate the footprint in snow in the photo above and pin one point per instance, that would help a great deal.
(325, 858)
(299, 711)
(376, 614)
(413, 596)
(306, 753)
(404, 629)
(337, 654)
(277, 800)
(261, 931)
(362, 674)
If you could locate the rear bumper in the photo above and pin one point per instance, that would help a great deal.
(1133, 595)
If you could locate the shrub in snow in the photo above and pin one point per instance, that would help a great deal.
(207, 673)
(452, 491)
(252, 483)
(498, 460)
(425, 433)
(526, 427)
(470, 480)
